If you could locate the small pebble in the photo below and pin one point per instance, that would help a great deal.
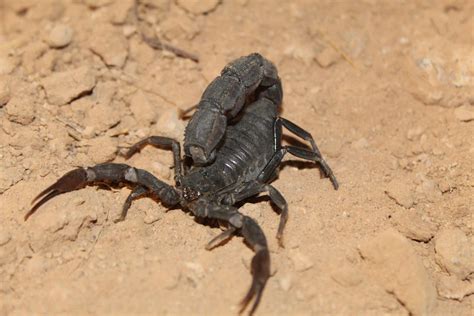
(392, 262)
(360, 144)
(347, 276)
(301, 261)
(451, 287)
(412, 226)
(327, 57)
(62, 87)
(464, 113)
(454, 252)
(19, 110)
(198, 7)
(102, 149)
(145, 113)
(285, 282)
(5, 237)
(110, 44)
(401, 192)
(4, 90)
(60, 36)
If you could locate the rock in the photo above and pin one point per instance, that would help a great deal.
(412, 226)
(32, 53)
(414, 133)
(454, 252)
(163, 171)
(285, 282)
(144, 112)
(427, 189)
(120, 10)
(332, 149)
(464, 113)
(60, 36)
(101, 149)
(95, 4)
(391, 261)
(360, 143)
(104, 92)
(8, 63)
(303, 52)
(152, 214)
(194, 272)
(5, 237)
(198, 7)
(4, 91)
(400, 192)
(169, 124)
(10, 176)
(346, 276)
(21, 110)
(102, 117)
(110, 44)
(300, 261)
(451, 287)
(63, 87)
(327, 57)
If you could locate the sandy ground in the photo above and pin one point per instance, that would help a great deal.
(385, 87)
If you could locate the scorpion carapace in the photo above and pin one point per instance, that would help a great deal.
(234, 142)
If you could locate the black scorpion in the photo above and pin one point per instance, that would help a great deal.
(233, 149)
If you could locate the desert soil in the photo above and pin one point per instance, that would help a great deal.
(385, 87)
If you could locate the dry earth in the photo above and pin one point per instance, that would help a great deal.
(385, 87)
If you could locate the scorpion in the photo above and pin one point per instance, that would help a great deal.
(233, 150)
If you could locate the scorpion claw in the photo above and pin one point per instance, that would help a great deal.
(261, 273)
(73, 180)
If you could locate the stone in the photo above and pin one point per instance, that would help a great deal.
(401, 192)
(300, 261)
(413, 226)
(285, 282)
(63, 87)
(169, 124)
(5, 237)
(392, 262)
(102, 117)
(452, 288)
(21, 110)
(4, 90)
(60, 36)
(198, 7)
(101, 149)
(360, 143)
(145, 113)
(464, 113)
(120, 10)
(347, 276)
(454, 252)
(110, 45)
(327, 57)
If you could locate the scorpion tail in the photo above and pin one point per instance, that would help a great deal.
(73, 180)
(254, 236)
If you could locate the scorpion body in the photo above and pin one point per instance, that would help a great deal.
(234, 149)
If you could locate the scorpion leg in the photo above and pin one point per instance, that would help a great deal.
(295, 129)
(226, 234)
(161, 142)
(253, 236)
(280, 151)
(136, 193)
(114, 175)
(253, 188)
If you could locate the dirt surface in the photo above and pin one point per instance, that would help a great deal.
(385, 87)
